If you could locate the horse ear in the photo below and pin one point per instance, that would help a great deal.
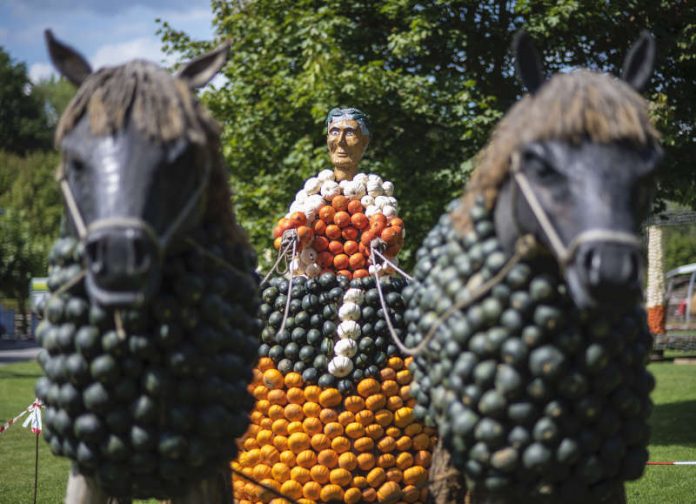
(69, 63)
(640, 61)
(528, 62)
(199, 71)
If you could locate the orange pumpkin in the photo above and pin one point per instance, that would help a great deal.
(320, 442)
(356, 261)
(354, 206)
(342, 219)
(361, 273)
(297, 219)
(333, 232)
(376, 477)
(306, 459)
(350, 233)
(300, 474)
(311, 490)
(320, 243)
(326, 213)
(328, 458)
(330, 398)
(348, 460)
(341, 262)
(340, 203)
(336, 247)
(404, 460)
(352, 496)
(389, 492)
(331, 492)
(311, 409)
(359, 221)
(319, 473)
(366, 461)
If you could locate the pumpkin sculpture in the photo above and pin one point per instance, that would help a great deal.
(334, 418)
(527, 300)
(150, 332)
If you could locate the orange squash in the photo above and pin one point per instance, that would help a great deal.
(312, 426)
(354, 403)
(366, 461)
(352, 496)
(272, 379)
(360, 482)
(306, 459)
(346, 417)
(416, 476)
(298, 441)
(287, 457)
(311, 409)
(341, 444)
(386, 444)
(386, 460)
(365, 417)
(333, 429)
(348, 461)
(376, 402)
(320, 442)
(375, 431)
(331, 493)
(328, 415)
(340, 476)
(354, 430)
(300, 474)
(384, 417)
(293, 412)
(319, 473)
(364, 444)
(328, 458)
(376, 477)
(278, 397)
(292, 489)
(311, 490)
(280, 472)
(295, 426)
(389, 492)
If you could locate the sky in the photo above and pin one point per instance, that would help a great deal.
(106, 32)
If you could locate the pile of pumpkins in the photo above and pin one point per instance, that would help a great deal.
(109, 376)
(334, 417)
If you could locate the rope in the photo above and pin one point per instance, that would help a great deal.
(523, 246)
(200, 248)
(289, 295)
(264, 486)
(281, 254)
(392, 265)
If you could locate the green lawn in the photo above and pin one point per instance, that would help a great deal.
(673, 438)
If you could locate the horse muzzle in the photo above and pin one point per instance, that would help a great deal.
(123, 266)
(605, 275)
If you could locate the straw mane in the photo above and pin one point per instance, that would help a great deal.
(162, 108)
(570, 107)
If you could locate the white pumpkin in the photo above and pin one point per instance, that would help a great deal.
(348, 329)
(374, 188)
(349, 311)
(301, 196)
(388, 187)
(367, 201)
(312, 185)
(295, 207)
(340, 366)
(346, 347)
(360, 177)
(372, 210)
(380, 201)
(330, 189)
(354, 190)
(315, 202)
(389, 211)
(354, 296)
(296, 267)
(375, 177)
(325, 175)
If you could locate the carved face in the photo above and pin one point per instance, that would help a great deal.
(347, 144)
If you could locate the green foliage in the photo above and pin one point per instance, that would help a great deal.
(434, 77)
(679, 246)
(55, 94)
(30, 219)
(23, 125)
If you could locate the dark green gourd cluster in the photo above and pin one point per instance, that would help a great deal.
(531, 397)
(335, 333)
(157, 405)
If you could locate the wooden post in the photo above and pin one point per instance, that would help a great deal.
(214, 490)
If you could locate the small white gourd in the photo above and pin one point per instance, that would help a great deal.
(349, 311)
(346, 347)
(340, 366)
(348, 329)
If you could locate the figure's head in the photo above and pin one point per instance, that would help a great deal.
(138, 155)
(347, 137)
(573, 165)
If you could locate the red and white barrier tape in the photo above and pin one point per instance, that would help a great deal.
(33, 420)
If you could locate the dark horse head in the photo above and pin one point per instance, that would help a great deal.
(138, 159)
(572, 165)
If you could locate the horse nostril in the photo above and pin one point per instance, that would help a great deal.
(141, 255)
(95, 254)
(592, 262)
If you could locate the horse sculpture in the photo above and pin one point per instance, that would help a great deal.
(527, 313)
(150, 331)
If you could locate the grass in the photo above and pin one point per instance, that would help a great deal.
(673, 438)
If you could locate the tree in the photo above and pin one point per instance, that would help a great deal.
(434, 76)
(23, 125)
(55, 94)
(29, 222)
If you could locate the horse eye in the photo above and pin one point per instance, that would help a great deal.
(77, 165)
(539, 166)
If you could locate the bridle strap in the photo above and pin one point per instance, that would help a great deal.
(565, 254)
(128, 222)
